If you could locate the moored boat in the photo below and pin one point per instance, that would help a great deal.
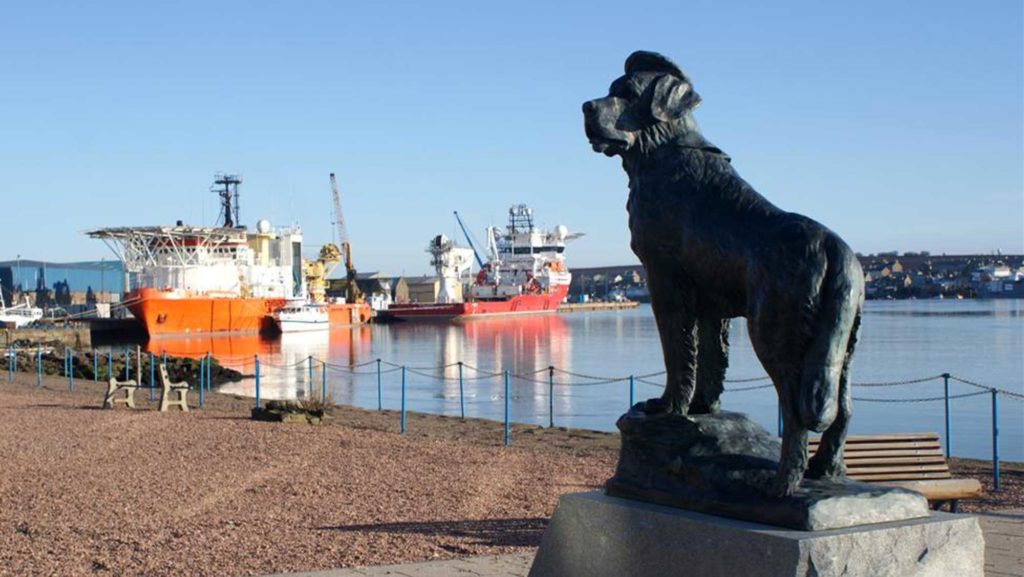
(525, 274)
(18, 315)
(187, 279)
(301, 317)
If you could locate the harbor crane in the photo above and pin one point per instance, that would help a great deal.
(352, 292)
(469, 239)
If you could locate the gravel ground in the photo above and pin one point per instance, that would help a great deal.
(85, 491)
(90, 492)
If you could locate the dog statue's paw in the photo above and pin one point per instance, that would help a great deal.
(820, 468)
(663, 406)
(784, 486)
(656, 406)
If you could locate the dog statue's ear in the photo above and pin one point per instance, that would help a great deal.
(672, 98)
(644, 61)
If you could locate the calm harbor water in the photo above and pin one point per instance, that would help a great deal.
(980, 341)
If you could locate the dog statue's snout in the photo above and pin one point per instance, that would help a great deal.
(588, 106)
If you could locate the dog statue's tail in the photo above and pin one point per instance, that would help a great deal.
(841, 297)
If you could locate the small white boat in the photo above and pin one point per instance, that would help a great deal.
(299, 317)
(19, 315)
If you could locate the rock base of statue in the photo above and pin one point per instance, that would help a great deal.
(724, 464)
(594, 535)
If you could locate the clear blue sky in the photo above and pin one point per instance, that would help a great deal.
(898, 124)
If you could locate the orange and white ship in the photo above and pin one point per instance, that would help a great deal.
(525, 274)
(224, 279)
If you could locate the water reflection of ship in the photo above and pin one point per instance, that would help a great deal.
(526, 346)
(284, 361)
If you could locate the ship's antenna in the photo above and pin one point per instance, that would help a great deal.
(226, 186)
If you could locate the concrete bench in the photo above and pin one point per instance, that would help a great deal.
(114, 387)
(169, 389)
(909, 460)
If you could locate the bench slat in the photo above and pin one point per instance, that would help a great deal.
(923, 475)
(942, 489)
(902, 468)
(887, 438)
(902, 446)
(938, 455)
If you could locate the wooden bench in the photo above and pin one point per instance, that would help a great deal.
(908, 460)
(168, 388)
(114, 387)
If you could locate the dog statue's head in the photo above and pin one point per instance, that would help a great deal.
(645, 108)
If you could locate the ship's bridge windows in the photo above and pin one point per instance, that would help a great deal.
(531, 250)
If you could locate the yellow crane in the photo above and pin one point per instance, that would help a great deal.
(353, 294)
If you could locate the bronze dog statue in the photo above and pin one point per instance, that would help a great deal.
(715, 249)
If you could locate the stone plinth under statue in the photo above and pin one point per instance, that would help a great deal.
(724, 464)
(594, 535)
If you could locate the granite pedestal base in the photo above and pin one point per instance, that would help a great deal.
(593, 535)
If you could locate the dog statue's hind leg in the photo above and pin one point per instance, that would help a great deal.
(793, 456)
(827, 462)
(674, 305)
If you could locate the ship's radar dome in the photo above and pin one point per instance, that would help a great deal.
(561, 231)
(263, 226)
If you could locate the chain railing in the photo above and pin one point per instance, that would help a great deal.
(550, 376)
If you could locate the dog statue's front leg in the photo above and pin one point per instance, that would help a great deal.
(674, 305)
(712, 361)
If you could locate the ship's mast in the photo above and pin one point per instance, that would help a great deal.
(226, 186)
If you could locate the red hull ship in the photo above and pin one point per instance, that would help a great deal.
(222, 279)
(517, 305)
(526, 274)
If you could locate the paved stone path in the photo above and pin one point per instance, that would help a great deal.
(494, 566)
(1004, 543)
(1004, 557)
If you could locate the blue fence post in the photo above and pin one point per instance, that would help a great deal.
(14, 362)
(257, 381)
(632, 387)
(202, 378)
(152, 376)
(551, 396)
(462, 394)
(380, 400)
(110, 364)
(506, 409)
(403, 400)
(71, 370)
(945, 378)
(95, 367)
(39, 367)
(995, 439)
(127, 364)
(323, 384)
